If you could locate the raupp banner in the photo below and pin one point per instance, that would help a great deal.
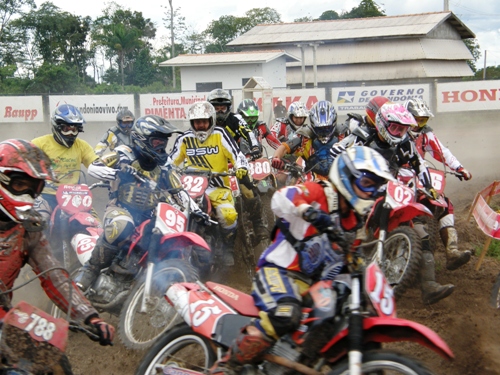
(170, 106)
(95, 107)
(21, 109)
(468, 96)
(354, 99)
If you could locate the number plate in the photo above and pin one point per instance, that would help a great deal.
(40, 325)
(194, 185)
(379, 291)
(401, 194)
(260, 169)
(74, 198)
(170, 220)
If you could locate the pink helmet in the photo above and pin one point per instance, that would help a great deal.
(393, 121)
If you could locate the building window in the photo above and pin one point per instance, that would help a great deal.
(244, 81)
(208, 86)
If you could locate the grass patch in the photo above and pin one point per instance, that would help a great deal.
(493, 250)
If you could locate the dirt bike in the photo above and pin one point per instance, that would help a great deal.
(265, 180)
(398, 249)
(73, 229)
(293, 173)
(34, 342)
(159, 252)
(344, 324)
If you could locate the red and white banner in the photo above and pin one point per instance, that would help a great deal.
(95, 107)
(486, 218)
(21, 109)
(170, 106)
(308, 96)
(468, 96)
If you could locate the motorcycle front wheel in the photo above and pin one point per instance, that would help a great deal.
(137, 328)
(402, 259)
(180, 347)
(378, 362)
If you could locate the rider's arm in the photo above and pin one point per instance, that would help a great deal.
(178, 154)
(240, 128)
(232, 152)
(270, 138)
(55, 283)
(281, 151)
(417, 163)
(438, 151)
(109, 139)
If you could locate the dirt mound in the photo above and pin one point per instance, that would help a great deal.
(464, 320)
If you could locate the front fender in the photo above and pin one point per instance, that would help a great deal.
(180, 240)
(381, 330)
(406, 213)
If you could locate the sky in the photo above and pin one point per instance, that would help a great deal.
(482, 17)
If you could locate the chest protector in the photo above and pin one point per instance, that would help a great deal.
(137, 195)
(12, 255)
(321, 161)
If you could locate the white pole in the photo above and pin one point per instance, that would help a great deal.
(484, 69)
(446, 5)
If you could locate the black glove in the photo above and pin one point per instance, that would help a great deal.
(105, 331)
(201, 216)
(319, 219)
(255, 152)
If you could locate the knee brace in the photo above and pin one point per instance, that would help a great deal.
(226, 215)
(118, 226)
(283, 319)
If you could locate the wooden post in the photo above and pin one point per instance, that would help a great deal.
(483, 252)
(471, 211)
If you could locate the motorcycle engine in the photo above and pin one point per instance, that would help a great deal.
(106, 289)
(285, 349)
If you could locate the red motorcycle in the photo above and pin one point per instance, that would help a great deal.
(398, 249)
(344, 324)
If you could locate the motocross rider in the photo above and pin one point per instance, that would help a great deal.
(209, 147)
(390, 138)
(132, 201)
(301, 253)
(234, 124)
(313, 142)
(117, 135)
(355, 119)
(67, 153)
(249, 111)
(426, 140)
(24, 168)
(284, 128)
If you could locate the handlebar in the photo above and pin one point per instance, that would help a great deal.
(207, 173)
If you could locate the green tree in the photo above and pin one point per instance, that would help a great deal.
(329, 15)
(304, 19)
(492, 72)
(9, 8)
(366, 8)
(475, 51)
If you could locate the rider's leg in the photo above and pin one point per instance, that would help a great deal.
(278, 297)
(454, 257)
(118, 226)
(253, 205)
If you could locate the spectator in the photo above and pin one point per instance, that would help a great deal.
(280, 109)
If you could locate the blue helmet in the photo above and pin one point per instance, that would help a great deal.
(150, 135)
(323, 118)
(67, 122)
(353, 165)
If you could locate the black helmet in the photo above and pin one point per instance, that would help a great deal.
(150, 135)
(64, 117)
(125, 119)
(220, 97)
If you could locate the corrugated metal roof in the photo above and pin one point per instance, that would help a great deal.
(381, 71)
(384, 50)
(358, 28)
(230, 58)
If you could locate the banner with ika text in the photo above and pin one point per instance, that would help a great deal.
(170, 106)
(354, 99)
(21, 109)
(101, 108)
(468, 96)
(307, 96)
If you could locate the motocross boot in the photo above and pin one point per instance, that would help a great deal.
(246, 349)
(454, 257)
(254, 206)
(102, 256)
(228, 239)
(432, 292)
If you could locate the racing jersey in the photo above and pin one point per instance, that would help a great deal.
(238, 129)
(65, 159)
(213, 154)
(283, 130)
(289, 204)
(261, 131)
(20, 246)
(426, 141)
(111, 139)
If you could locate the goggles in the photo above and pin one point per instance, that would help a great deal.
(158, 144)
(68, 129)
(21, 183)
(421, 121)
(369, 182)
(397, 130)
(126, 124)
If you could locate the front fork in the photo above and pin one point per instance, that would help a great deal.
(355, 335)
(152, 257)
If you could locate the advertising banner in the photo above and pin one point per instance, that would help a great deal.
(171, 106)
(354, 99)
(95, 107)
(307, 96)
(468, 96)
(21, 109)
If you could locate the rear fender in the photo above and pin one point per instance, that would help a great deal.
(382, 330)
(406, 213)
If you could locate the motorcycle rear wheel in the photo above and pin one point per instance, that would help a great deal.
(378, 362)
(181, 347)
(138, 330)
(402, 259)
(495, 294)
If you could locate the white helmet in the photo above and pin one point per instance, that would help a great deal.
(420, 110)
(202, 110)
(354, 165)
(297, 109)
(393, 121)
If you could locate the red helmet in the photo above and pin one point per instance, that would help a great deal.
(23, 171)
(372, 108)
